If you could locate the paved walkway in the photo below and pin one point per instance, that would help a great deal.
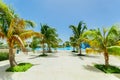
(59, 66)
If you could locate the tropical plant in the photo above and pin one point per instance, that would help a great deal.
(34, 44)
(102, 40)
(13, 30)
(50, 37)
(77, 33)
(67, 44)
(73, 43)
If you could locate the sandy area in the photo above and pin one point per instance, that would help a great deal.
(62, 65)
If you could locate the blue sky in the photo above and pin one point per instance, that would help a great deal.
(62, 13)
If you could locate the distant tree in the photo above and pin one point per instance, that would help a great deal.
(73, 43)
(50, 37)
(77, 33)
(35, 42)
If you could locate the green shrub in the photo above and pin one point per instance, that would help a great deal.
(108, 69)
(114, 50)
(22, 67)
(3, 56)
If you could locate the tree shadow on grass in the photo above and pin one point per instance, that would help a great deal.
(91, 68)
(5, 75)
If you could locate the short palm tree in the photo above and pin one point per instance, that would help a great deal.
(102, 40)
(77, 33)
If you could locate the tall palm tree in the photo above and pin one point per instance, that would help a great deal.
(13, 30)
(102, 40)
(77, 33)
(44, 29)
(16, 34)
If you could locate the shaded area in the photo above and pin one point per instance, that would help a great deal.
(91, 68)
(33, 57)
(47, 56)
(84, 55)
(117, 75)
(92, 56)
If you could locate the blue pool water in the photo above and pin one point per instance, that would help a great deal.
(66, 48)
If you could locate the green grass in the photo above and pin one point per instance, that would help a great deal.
(109, 69)
(22, 67)
(3, 56)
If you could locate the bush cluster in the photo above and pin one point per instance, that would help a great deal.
(3, 56)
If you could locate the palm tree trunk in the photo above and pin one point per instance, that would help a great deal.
(49, 48)
(12, 58)
(73, 49)
(106, 57)
(43, 49)
(80, 50)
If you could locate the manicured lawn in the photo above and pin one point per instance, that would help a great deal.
(3, 56)
(22, 67)
(109, 69)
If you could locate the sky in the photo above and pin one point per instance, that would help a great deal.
(60, 14)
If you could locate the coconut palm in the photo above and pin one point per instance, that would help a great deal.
(102, 40)
(50, 37)
(77, 33)
(13, 30)
(16, 34)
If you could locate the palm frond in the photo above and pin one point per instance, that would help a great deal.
(84, 28)
(74, 29)
(80, 26)
(112, 33)
(17, 39)
(29, 23)
(28, 34)
(11, 28)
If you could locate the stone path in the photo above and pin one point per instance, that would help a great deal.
(59, 66)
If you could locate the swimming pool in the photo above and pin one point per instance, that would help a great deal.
(66, 48)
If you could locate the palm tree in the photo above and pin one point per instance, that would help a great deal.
(16, 34)
(13, 30)
(50, 37)
(102, 40)
(77, 33)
